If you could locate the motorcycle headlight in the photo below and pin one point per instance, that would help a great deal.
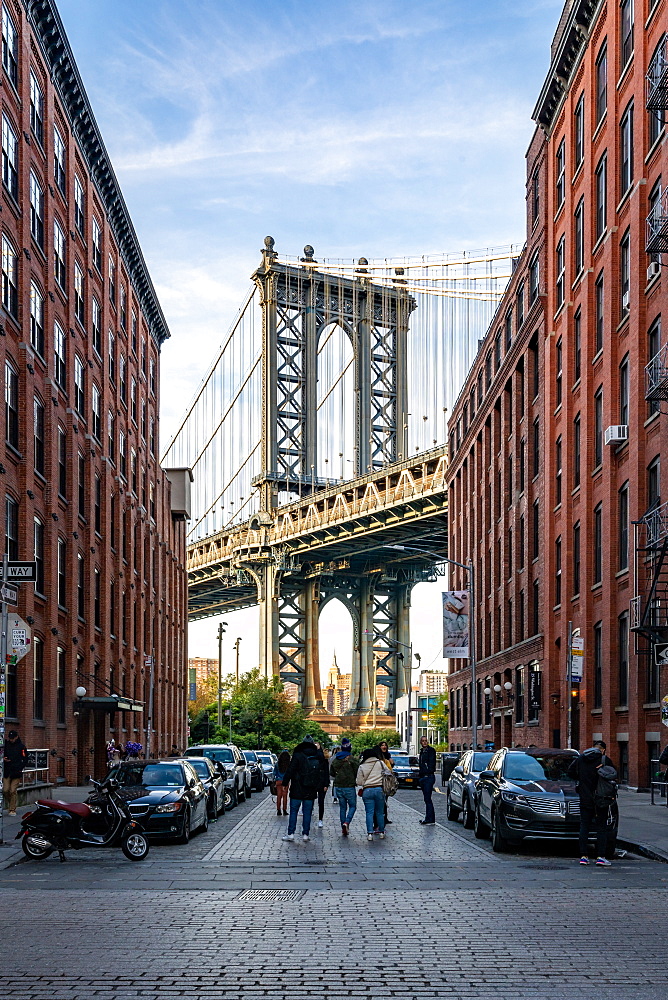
(169, 807)
(513, 797)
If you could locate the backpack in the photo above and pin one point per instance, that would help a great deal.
(606, 787)
(311, 774)
(390, 782)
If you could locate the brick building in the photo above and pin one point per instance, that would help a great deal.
(84, 494)
(555, 542)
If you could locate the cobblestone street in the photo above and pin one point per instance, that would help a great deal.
(426, 913)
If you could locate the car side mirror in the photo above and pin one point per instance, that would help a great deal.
(459, 769)
(413, 761)
(487, 774)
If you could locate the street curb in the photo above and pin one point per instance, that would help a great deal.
(11, 859)
(653, 853)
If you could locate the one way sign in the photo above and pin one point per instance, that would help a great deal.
(21, 571)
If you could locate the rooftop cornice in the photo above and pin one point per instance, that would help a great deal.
(45, 20)
(572, 43)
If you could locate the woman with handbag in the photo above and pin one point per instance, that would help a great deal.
(386, 758)
(280, 768)
(370, 780)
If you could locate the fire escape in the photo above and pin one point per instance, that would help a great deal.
(649, 606)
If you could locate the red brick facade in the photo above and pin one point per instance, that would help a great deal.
(600, 326)
(83, 489)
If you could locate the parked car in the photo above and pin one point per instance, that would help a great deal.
(449, 760)
(460, 792)
(212, 775)
(258, 779)
(528, 795)
(268, 761)
(406, 768)
(167, 796)
(238, 781)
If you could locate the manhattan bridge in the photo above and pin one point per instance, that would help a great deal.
(317, 444)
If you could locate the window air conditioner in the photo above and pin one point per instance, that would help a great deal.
(654, 270)
(625, 301)
(616, 434)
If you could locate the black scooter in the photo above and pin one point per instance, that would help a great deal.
(59, 826)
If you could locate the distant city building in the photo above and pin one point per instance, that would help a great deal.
(200, 669)
(337, 692)
(433, 682)
(421, 707)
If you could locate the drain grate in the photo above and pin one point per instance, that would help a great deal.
(271, 895)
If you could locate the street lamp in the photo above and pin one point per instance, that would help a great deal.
(468, 568)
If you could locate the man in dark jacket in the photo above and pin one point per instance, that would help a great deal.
(585, 772)
(15, 761)
(344, 771)
(427, 778)
(307, 774)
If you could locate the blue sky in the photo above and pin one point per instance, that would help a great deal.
(367, 127)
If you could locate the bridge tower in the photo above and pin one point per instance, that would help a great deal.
(299, 301)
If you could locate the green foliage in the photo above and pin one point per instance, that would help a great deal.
(371, 738)
(439, 718)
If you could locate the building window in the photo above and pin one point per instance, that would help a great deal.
(59, 251)
(38, 680)
(36, 109)
(97, 506)
(535, 533)
(653, 208)
(536, 448)
(598, 664)
(143, 355)
(11, 405)
(521, 545)
(79, 294)
(519, 302)
(122, 379)
(559, 367)
(519, 694)
(579, 236)
(36, 210)
(111, 436)
(598, 428)
(81, 485)
(10, 292)
(97, 599)
(143, 424)
(601, 83)
(557, 463)
(62, 462)
(11, 528)
(577, 451)
(626, 30)
(151, 436)
(10, 158)
(79, 205)
(535, 197)
(657, 117)
(561, 173)
(96, 413)
(576, 559)
(62, 572)
(112, 357)
(97, 245)
(625, 274)
(654, 483)
(59, 171)
(38, 435)
(598, 543)
(536, 609)
(522, 463)
(601, 196)
(653, 348)
(38, 551)
(623, 659)
(561, 271)
(10, 46)
(577, 346)
(488, 373)
(497, 351)
(96, 315)
(151, 365)
(122, 467)
(626, 150)
(112, 280)
(133, 399)
(60, 686)
(557, 571)
(133, 471)
(79, 385)
(36, 319)
(624, 391)
(134, 333)
(578, 135)
(81, 586)
(534, 278)
(599, 296)
(623, 528)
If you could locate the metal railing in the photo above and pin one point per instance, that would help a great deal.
(656, 80)
(655, 522)
(656, 238)
(656, 376)
(36, 771)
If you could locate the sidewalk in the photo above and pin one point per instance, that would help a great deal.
(10, 849)
(643, 827)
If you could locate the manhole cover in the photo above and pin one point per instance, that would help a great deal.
(269, 895)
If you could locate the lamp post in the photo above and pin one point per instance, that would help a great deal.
(236, 646)
(221, 630)
(468, 568)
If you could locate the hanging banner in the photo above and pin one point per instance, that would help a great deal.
(664, 710)
(456, 623)
(535, 689)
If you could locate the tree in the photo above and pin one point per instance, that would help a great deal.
(372, 737)
(439, 718)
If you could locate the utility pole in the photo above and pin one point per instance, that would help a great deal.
(221, 632)
(236, 646)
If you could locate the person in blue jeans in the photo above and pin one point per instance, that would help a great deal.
(343, 769)
(307, 774)
(370, 780)
(427, 779)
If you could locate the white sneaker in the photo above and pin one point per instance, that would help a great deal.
(306, 837)
(369, 836)
(382, 836)
(603, 863)
(14, 814)
(320, 823)
(288, 836)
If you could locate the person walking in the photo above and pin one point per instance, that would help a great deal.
(370, 780)
(343, 769)
(322, 792)
(427, 779)
(15, 762)
(280, 768)
(305, 777)
(386, 758)
(587, 770)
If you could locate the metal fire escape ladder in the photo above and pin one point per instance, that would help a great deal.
(649, 608)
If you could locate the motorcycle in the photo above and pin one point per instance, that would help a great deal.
(106, 822)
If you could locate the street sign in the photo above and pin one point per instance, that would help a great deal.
(9, 594)
(22, 571)
(577, 658)
(661, 654)
(19, 638)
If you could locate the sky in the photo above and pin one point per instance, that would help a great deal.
(370, 127)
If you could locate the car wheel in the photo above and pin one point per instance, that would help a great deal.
(230, 798)
(204, 826)
(223, 803)
(452, 812)
(499, 842)
(479, 828)
(468, 814)
(211, 808)
(241, 795)
(36, 847)
(185, 836)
